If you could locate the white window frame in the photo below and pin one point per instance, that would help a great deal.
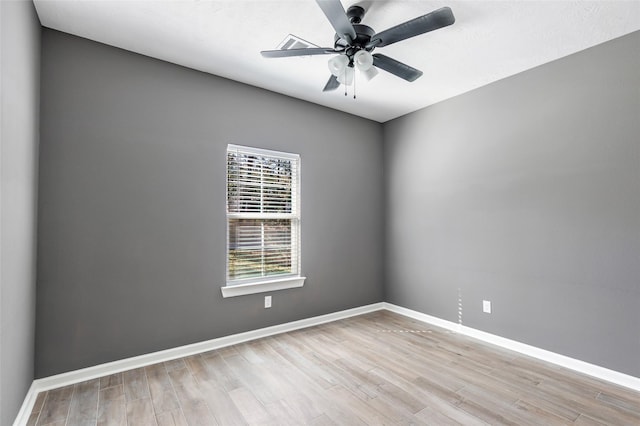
(241, 287)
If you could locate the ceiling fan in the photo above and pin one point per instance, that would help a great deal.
(354, 42)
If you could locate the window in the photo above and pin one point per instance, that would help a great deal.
(263, 221)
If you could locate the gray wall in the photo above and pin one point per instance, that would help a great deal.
(19, 91)
(526, 192)
(132, 205)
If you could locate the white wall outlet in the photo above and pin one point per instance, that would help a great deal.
(486, 306)
(267, 302)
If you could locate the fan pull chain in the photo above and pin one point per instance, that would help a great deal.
(344, 76)
(354, 85)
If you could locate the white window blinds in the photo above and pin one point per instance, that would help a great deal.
(262, 214)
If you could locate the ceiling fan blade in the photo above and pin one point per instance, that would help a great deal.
(336, 15)
(332, 84)
(423, 24)
(283, 53)
(397, 68)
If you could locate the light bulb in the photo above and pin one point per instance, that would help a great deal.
(363, 60)
(337, 65)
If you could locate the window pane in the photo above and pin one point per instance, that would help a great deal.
(259, 248)
(258, 183)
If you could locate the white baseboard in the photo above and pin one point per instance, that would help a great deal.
(532, 351)
(27, 406)
(69, 378)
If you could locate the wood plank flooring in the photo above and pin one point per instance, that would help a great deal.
(375, 369)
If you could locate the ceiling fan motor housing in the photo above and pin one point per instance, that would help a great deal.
(363, 36)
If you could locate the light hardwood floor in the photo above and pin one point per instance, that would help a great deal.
(379, 368)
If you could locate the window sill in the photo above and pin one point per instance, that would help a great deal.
(262, 286)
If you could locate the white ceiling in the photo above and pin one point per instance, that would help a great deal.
(490, 40)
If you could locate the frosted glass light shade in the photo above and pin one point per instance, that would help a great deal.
(370, 73)
(363, 60)
(346, 77)
(337, 65)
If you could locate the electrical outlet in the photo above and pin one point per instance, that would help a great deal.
(267, 302)
(486, 306)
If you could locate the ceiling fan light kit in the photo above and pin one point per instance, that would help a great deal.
(354, 42)
(343, 68)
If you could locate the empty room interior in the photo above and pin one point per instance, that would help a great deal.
(320, 212)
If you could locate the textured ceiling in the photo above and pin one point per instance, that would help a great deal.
(490, 40)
